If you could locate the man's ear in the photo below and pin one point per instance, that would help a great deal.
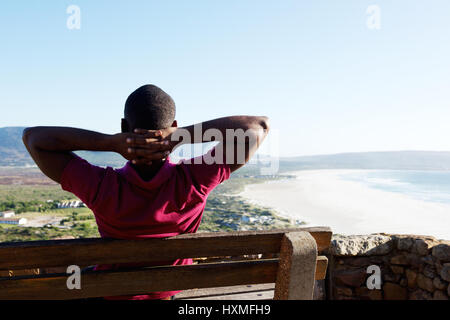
(175, 124)
(124, 126)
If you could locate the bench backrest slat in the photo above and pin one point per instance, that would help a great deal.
(113, 283)
(130, 282)
(84, 252)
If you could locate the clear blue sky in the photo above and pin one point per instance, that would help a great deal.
(328, 82)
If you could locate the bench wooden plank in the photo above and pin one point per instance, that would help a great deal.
(321, 267)
(230, 291)
(111, 283)
(84, 252)
(255, 295)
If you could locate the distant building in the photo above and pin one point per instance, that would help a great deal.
(7, 214)
(70, 204)
(14, 221)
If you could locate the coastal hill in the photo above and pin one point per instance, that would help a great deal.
(392, 160)
(13, 153)
(12, 150)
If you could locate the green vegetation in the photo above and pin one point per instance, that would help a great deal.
(29, 198)
(224, 211)
(26, 206)
(40, 193)
(76, 216)
(227, 211)
(18, 233)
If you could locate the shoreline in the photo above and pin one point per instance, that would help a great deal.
(322, 198)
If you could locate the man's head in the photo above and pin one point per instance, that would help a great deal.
(148, 107)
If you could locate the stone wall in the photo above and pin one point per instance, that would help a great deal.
(412, 267)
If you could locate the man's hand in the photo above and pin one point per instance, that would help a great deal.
(247, 134)
(144, 146)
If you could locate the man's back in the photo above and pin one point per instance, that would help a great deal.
(127, 207)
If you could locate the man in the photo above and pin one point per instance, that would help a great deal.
(150, 196)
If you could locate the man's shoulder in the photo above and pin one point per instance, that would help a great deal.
(204, 174)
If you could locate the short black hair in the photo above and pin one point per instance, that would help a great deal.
(149, 107)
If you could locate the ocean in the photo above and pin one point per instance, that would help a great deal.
(430, 186)
(362, 201)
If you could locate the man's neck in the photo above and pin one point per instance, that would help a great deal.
(147, 172)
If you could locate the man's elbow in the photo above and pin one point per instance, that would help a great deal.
(262, 126)
(264, 122)
(258, 130)
(27, 136)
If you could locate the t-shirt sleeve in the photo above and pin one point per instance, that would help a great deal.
(207, 171)
(83, 180)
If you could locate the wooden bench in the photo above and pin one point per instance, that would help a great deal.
(293, 270)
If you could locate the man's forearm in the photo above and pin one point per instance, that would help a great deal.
(239, 137)
(251, 124)
(66, 139)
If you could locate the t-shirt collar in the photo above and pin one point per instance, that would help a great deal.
(161, 176)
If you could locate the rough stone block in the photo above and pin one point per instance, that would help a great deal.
(393, 291)
(361, 245)
(403, 282)
(352, 278)
(404, 243)
(420, 294)
(378, 260)
(375, 295)
(438, 267)
(400, 259)
(364, 293)
(442, 251)
(414, 260)
(411, 276)
(428, 260)
(343, 291)
(439, 295)
(439, 284)
(429, 271)
(445, 272)
(422, 246)
(397, 269)
(346, 298)
(360, 262)
(425, 283)
(390, 277)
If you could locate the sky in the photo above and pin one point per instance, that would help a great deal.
(332, 76)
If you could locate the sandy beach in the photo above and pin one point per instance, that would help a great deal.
(321, 198)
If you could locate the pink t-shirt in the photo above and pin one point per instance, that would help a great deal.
(127, 207)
